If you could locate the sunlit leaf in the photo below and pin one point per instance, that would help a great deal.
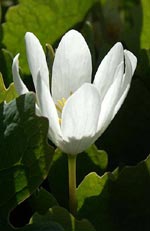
(98, 157)
(7, 94)
(145, 33)
(47, 19)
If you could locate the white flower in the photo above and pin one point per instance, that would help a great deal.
(78, 111)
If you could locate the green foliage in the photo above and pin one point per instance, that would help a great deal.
(98, 157)
(6, 59)
(111, 201)
(92, 159)
(131, 20)
(7, 94)
(145, 33)
(42, 200)
(53, 17)
(25, 156)
(64, 218)
(47, 226)
(117, 201)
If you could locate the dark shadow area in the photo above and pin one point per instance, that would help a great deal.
(21, 215)
(85, 165)
(5, 4)
(58, 180)
(130, 198)
(123, 203)
(127, 138)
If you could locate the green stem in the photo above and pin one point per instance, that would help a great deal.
(72, 183)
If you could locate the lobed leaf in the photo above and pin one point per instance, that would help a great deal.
(25, 156)
(7, 94)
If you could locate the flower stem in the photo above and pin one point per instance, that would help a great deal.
(72, 183)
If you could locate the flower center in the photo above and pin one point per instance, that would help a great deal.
(59, 106)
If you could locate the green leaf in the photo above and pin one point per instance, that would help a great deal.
(145, 33)
(7, 94)
(64, 218)
(91, 160)
(25, 156)
(42, 18)
(98, 157)
(42, 200)
(48, 226)
(117, 201)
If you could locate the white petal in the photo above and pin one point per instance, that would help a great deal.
(105, 74)
(19, 85)
(130, 65)
(72, 65)
(80, 118)
(109, 101)
(36, 58)
(121, 100)
(48, 109)
(132, 58)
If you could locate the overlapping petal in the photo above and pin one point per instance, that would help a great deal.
(110, 99)
(106, 71)
(48, 110)
(133, 60)
(72, 65)
(130, 65)
(36, 58)
(80, 118)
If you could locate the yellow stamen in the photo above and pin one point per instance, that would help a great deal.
(60, 102)
(60, 120)
(59, 106)
(63, 101)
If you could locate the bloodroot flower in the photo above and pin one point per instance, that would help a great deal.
(78, 111)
